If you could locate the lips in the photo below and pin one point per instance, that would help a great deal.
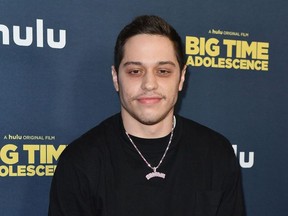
(149, 100)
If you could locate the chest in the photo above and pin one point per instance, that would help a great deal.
(187, 189)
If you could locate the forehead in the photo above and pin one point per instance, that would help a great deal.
(144, 47)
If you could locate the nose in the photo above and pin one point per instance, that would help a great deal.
(149, 81)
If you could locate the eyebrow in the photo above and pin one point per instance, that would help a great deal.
(140, 63)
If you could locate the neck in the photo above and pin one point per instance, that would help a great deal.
(156, 130)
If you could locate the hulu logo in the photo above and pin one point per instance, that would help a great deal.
(28, 37)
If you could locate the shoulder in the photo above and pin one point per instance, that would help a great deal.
(91, 144)
(190, 127)
(204, 138)
(208, 146)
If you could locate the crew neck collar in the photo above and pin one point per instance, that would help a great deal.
(151, 144)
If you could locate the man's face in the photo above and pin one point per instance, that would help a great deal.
(148, 79)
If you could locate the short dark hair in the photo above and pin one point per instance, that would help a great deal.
(148, 24)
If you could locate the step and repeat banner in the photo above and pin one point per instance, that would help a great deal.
(55, 84)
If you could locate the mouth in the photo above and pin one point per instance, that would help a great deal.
(149, 100)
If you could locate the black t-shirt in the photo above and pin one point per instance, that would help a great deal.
(101, 174)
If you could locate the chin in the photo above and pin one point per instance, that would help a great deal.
(150, 119)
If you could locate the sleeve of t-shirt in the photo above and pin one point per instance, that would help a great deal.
(233, 201)
(69, 193)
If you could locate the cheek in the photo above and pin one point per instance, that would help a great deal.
(128, 87)
(126, 92)
(171, 88)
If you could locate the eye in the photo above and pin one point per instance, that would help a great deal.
(134, 72)
(164, 72)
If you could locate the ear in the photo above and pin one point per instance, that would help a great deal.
(182, 78)
(115, 78)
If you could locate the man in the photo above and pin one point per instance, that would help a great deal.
(145, 160)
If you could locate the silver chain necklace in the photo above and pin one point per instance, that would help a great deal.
(155, 173)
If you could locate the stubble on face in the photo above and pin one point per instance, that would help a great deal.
(142, 117)
(148, 106)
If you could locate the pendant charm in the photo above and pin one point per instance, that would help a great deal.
(155, 174)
